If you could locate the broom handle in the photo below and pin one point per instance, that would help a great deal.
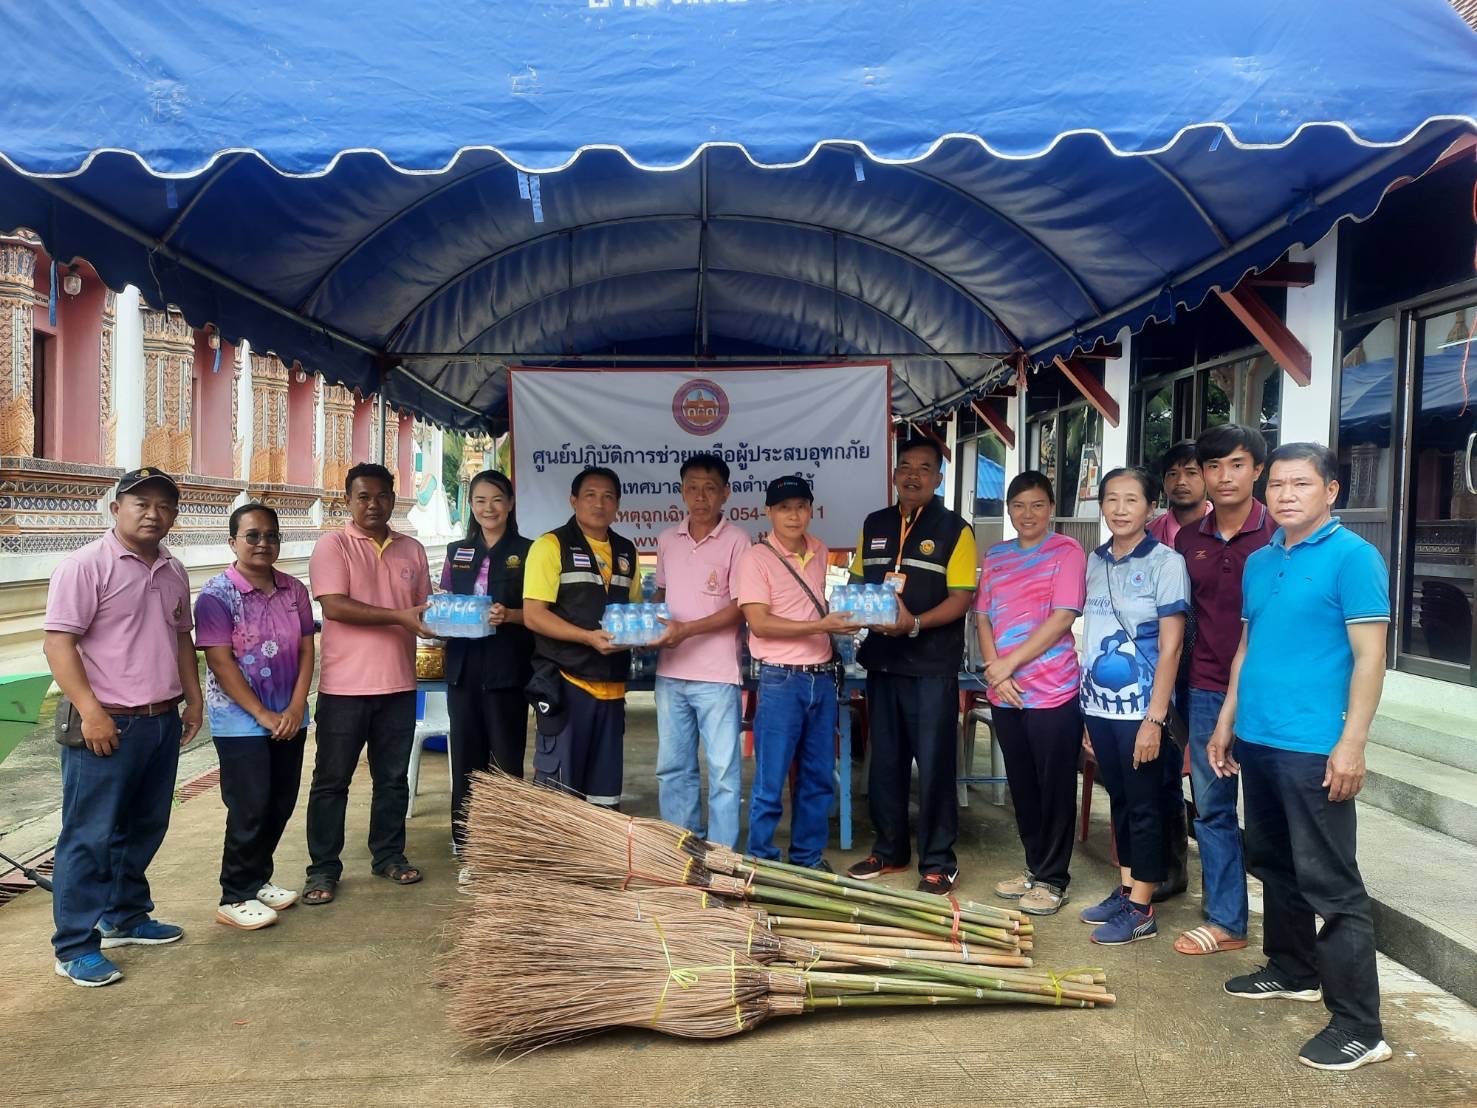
(841, 880)
(881, 896)
(862, 983)
(862, 953)
(879, 915)
(816, 1003)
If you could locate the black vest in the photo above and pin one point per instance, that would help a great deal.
(503, 660)
(937, 651)
(581, 600)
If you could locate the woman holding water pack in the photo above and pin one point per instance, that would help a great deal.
(485, 677)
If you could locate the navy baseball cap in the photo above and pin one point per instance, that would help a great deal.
(136, 477)
(788, 487)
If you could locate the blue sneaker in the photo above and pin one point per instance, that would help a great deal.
(151, 932)
(90, 971)
(1106, 908)
(1128, 926)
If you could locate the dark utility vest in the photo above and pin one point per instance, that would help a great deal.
(937, 651)
(503, 660)
(582, 597)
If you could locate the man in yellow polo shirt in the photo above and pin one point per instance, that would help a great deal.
(572, 573)
(927, 553)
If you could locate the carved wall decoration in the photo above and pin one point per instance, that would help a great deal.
(338, 450)
(17, 297)
(269, 420)
(169, 361)
(107, 378)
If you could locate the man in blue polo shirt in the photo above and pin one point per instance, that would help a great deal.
(1316, 608)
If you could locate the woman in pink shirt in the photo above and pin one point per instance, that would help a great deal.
(1031, 592)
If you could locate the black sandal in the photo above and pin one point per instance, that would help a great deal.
(319, 891)
(402, 873)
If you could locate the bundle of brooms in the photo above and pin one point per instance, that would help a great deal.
(579, 918)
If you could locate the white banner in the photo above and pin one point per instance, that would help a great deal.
(830, 424)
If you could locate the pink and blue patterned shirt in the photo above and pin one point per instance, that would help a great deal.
(264, 632)
(1019, 589)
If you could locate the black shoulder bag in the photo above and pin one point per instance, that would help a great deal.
(838, 665)
(1174, 723)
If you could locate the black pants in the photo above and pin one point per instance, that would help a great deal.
(914, 719)
(1302, 847)
(1137, 796)
(346, 725)
(1041, 747)
(259, 785)
(586, 757)
(489, 727)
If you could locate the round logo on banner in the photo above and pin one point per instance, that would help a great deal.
(700, 406)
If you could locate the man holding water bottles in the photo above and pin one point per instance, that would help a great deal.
(926, 554)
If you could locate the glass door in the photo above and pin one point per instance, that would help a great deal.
(1439, 577)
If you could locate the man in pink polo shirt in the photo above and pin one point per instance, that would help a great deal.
(697, 674)
(372, 583)
(782, 591)
(118, 642)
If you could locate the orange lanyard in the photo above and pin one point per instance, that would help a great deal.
(905, 527)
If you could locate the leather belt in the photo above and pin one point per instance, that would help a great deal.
(158, 708)
(814, 667)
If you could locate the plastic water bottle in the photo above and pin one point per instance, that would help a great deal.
(889, 605)
(869, 604)
(610, 621)
(649, 626)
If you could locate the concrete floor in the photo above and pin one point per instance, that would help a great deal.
(334, 1005)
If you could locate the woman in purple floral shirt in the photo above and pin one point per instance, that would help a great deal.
(255, 626)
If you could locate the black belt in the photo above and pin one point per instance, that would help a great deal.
(158, 708)
(814, 667)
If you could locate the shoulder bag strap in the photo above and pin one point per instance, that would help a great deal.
(821, 609)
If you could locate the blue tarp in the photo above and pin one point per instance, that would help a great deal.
(384, 190)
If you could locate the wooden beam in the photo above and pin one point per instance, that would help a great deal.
(995, 420)
(1085, 378)
(928, 432)
(1256, 316)
(1283, 275)
(1104, 350)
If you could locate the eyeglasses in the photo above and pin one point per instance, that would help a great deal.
(257, 538)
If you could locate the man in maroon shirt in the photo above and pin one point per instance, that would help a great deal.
(1215, 552)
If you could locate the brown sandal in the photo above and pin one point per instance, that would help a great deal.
(402, 873)
(318, 891)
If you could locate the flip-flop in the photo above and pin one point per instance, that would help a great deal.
(319, 885)
(1202, 940)
(402, 873)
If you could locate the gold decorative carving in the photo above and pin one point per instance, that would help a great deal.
(17, 298)
(169, 362)
(106, 369)
(268, 420)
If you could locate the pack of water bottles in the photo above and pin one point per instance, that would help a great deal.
(869, 605)
(635, 624)
(455, 616)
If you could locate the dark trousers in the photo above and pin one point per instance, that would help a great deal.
(115, 810)
(1041, 748)
(914, 719)
(587, 756)
(346, 725)
(1302, 847)
(489, 728)
(1137, 796)
(259, 784)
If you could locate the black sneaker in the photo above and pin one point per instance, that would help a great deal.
(1262, 984)
(823, 866)
(871, 866)
(939, 882)
(1334, 1049)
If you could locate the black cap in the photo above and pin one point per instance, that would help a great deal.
(136, 477)
(788, 487)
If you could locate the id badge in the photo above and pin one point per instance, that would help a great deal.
(895, 581)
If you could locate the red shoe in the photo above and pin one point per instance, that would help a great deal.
(940, 883)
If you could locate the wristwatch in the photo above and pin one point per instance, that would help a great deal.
(917, 626)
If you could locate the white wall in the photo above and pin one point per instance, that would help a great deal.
(128, 379)
(1312, 315)
(1116, 439)
(1015, 415)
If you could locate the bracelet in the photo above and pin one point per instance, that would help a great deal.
(1160, 723)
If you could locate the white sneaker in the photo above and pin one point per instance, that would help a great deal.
(248, 915)
(276, 897)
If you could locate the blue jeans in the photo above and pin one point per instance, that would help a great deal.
(1217, 830)
(685, 710)
(796, 717)
(115, 811)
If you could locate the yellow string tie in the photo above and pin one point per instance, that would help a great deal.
(682, 838)
(749, 942)
(685, 978)
(738, 1015)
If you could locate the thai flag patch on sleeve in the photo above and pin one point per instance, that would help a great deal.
(879, 544)
(580, 559)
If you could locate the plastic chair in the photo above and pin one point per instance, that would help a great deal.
(974, 709)
(424, 730)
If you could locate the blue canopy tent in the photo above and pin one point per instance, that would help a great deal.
(408, 199)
